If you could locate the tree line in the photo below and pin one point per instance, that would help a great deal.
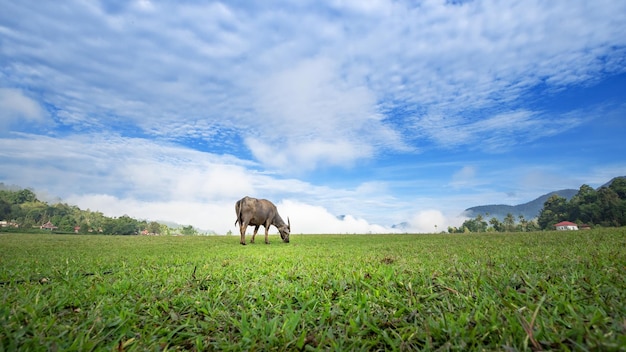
(603, 207)
(509, 224)
(21, 211)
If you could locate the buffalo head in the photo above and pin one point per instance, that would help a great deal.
(285, 230)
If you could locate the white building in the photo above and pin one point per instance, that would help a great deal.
(566, 225)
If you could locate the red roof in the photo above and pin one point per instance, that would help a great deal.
(565, 223)
(48, 226)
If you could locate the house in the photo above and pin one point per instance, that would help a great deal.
(48, 226)
(5, 223)
(566, 225)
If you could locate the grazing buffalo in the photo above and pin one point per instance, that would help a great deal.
(257, 212)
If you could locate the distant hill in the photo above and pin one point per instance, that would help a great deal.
(528, 210)
(401, 226)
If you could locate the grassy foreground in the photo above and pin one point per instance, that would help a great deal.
(531, 291)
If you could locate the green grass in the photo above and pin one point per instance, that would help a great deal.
(533, 291)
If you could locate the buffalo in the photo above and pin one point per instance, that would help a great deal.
(256, 212)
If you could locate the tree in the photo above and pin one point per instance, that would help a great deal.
(554, 210)
(609, 204)
(532, 226)
(31, 214)
(61, 215)
(165, 230)
(23, 207)
(509, 223)
(606, 206)
(154, 227)
(475, 225)
(481, 224)
(25, 195)
(95, 221)
(188, 230)
(588, 213)
(586, 195)
(496, 224)
(124, 225)
(522, 226)
(619, 187)
(5, 210)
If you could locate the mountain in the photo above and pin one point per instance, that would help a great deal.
(401, 226)
(528, 210)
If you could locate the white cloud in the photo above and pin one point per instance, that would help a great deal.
(296, 74)
(464, 177)
(300, 156)
(373, 7)
(15, 106)
(306, 218)
(127, 167)
(312, 117)
(144, 5)
(428, 221)
(372, 187)
(208, 216)
(498, 132)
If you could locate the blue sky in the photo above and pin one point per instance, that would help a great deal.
(383, 111)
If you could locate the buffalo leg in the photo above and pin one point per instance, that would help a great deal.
(242, 231)
(267, 240)
(256, 229)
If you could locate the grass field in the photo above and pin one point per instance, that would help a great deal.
(531, 291)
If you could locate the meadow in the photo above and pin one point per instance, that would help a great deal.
(512, 292)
